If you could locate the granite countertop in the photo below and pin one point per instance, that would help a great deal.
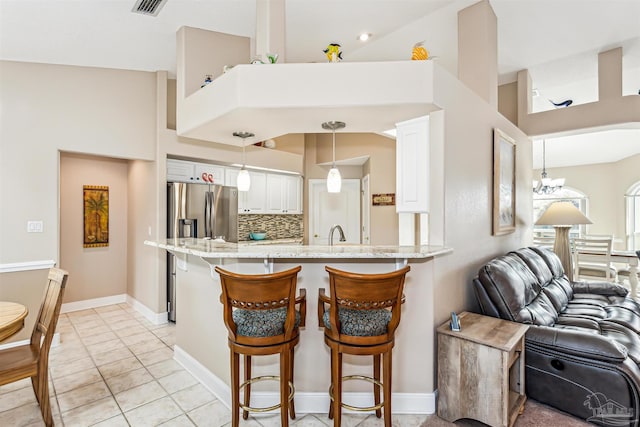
(213, 249)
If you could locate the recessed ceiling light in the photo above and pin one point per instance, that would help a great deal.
(364, 37)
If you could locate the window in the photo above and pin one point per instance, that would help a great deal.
(542, 201)
(632, 199)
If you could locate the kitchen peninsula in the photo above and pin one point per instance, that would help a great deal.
(201, 337)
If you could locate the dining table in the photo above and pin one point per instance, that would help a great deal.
(12, 316)
(631, 258)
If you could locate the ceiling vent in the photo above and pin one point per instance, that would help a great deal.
(148, 7)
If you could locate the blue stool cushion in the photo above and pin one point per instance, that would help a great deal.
(361, 323)
(261, 323)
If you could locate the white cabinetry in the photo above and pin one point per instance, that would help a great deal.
(412, 166)
(212, 174)
(186, 171)
(284, 194)
(252, 201)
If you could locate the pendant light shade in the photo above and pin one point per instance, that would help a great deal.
(244, 179)
(334, 179)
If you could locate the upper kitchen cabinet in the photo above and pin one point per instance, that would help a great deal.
(412, 170)
(284, 194)
(193, 172)
(254, 200)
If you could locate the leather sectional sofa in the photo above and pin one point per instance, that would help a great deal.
(583, 350)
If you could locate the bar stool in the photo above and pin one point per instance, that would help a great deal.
(367, 315)
(260, 315)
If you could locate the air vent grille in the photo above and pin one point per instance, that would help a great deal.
(148, 7)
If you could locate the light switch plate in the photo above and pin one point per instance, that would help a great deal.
(34, 226)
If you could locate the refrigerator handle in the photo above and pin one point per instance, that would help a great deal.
(207, 214)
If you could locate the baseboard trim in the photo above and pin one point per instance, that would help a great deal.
(26, 266)
(93, 303)
(306, 402)
(150, 315)
(54, 342)
(215, 385)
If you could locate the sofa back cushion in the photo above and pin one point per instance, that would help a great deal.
(524, 286)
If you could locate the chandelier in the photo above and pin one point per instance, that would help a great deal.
(546, 185)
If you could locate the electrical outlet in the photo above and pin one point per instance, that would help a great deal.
(34, 226)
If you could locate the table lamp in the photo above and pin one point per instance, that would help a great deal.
(563, 215)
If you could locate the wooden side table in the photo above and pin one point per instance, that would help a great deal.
(481, 370)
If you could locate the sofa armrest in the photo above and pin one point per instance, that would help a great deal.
(599, 288)
(576, 343)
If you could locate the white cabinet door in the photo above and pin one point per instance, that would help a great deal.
(284, 194)
(211, 174)
(412, 166)
(256, 196)
(275, 194)
(292, 202)
(180, 171)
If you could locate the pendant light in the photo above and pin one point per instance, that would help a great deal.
(546, 185)
(334, 180)
(244, 179)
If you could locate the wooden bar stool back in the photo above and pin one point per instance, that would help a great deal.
(364, 323)
(260, 315)
(32, 360)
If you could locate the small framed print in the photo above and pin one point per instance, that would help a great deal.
(504, 183)
(95, 200)
(388, 199)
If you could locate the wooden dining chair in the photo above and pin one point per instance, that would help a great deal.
(32, 360)
(593, 258)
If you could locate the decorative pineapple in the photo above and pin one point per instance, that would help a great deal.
(419, 53)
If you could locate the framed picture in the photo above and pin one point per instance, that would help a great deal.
(95, 200)
(504, 183)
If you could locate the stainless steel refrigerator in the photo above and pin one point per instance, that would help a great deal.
(200, 211)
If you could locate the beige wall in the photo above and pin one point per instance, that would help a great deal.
(604, 185)
(76, 109)
(508, 101)
(93, 272)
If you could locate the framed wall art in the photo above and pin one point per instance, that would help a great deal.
(504, 183)
(95, 200)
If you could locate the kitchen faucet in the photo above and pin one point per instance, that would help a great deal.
(340, 230)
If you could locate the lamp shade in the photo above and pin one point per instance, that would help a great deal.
(334, 180)
(562, 213)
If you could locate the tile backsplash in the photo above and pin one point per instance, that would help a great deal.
(276, 226)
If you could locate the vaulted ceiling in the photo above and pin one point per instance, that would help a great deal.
(557, 40)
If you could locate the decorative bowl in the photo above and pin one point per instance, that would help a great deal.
(258, 235)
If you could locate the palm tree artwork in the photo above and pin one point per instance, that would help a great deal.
(96, 215)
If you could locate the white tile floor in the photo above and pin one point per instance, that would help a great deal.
(114, 368)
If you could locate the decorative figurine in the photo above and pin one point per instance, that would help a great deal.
(562, 104)
(333, 52)
(257, 60)
(226, 68)
(419, 53)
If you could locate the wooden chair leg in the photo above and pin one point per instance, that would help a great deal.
(235, 389)
(284, 387)
(386, 387)
(43, 399)
(36, 390)
(247, 389)
(336, 380)
(376, 387)
(331, 401)
(292, 407)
